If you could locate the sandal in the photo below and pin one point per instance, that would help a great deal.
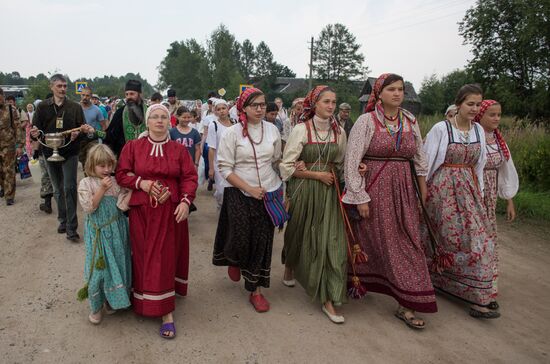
(484, 315)
(410, 321)
(493, 306)
(168, 327)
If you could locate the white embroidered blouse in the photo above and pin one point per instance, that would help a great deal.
(235, 155)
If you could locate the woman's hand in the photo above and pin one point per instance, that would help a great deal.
(300, 166)
(256, 192)
(106, 183)
(362, 169)
(363, 210)
(325, 177)
(211, 173)
(182, 212)
(150, 187)
(510, 211)
(163, 195)
(74, 135)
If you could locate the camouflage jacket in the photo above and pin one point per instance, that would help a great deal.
(10, 127)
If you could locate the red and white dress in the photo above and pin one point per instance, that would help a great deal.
(456, 209)
(160, 246)
(501, 180)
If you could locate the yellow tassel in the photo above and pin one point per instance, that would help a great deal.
(100, 263)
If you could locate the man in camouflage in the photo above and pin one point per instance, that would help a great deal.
(11, 147)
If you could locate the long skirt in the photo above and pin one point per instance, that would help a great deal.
(315, 240)
(244, 238)
(160, 258)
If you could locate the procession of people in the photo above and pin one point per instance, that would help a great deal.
(367, 206)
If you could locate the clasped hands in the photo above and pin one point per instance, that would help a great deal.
(156, 190)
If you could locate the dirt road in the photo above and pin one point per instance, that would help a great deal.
(42, 322)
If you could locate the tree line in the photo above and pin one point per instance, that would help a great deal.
(510, 42)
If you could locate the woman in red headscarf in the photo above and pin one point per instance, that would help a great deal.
(387, 140)
(247, 154)
(499, 177)
(315, 239)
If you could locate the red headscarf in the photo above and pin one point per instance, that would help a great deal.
(309, 106)
(245, 95)
(375, 93)
(486, 104)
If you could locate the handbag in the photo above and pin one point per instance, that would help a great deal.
(273, 201)
(23, 167)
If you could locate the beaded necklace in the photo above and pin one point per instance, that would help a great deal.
(463, 136)
(397, 133)
(261, 139)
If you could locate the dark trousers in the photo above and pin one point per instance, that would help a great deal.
(206, 162)
(63, 178)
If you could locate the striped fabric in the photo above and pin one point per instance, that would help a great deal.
(273, 202)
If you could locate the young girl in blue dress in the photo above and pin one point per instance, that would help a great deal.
(107, 270)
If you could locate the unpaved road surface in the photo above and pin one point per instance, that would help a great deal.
(42, 322)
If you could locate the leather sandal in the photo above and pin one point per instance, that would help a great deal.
(410, 321)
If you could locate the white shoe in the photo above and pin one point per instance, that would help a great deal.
(289, 283)
(337, 319)
(95, 318)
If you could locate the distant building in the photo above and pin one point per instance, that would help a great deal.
(18, 91)
(411, 103)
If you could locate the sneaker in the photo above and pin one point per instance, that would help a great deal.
(259, 302)
(10, 201)
(73, 236)
(61, 229)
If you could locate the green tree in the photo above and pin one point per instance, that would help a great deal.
(437, 94)
(336, 54)
(186, 69)
(222, 49)
(510, 42)
(247, 58)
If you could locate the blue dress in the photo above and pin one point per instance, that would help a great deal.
(106, 240)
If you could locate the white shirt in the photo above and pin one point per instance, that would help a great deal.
(437, 141)
(235, 155)
(205, 122)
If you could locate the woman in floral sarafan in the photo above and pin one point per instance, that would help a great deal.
(462, 263)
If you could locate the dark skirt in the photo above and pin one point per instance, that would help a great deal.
(244, 238)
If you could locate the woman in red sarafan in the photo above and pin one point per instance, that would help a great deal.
(386, 139)
(163, 181)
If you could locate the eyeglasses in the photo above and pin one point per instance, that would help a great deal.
(156, 117)
(256, 105)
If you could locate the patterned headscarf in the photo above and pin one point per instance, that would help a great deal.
(240, 107)
(375, 93)
(309, 107)
(486, 104)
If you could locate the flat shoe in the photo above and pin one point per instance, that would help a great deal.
(108, 309)
(234, 273)
(259, 302)
(95, 320)
(337, 319)
(484, 315)
(167, 327)
(289, 283)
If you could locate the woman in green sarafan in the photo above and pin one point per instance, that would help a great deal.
(315, 241)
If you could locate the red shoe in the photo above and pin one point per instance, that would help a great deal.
(234, 273)
(259, 302)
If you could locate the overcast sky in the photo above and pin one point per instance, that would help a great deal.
(414, 38)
